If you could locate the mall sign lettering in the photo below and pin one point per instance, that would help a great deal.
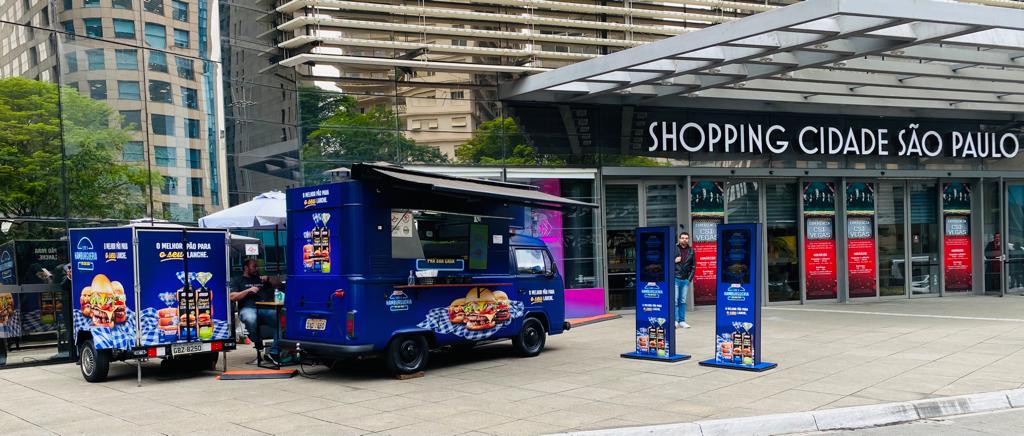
(911, 141)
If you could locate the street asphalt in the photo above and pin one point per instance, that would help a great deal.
(829, 355)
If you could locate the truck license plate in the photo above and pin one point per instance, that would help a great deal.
(316, 324)
(190, 348)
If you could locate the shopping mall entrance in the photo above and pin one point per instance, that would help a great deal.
(832, 239)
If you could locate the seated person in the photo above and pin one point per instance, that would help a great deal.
(247, 289)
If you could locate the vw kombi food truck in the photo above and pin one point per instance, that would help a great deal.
(143, 292)
(395, 262)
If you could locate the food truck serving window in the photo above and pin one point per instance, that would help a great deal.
(435, 235)
(533, 261)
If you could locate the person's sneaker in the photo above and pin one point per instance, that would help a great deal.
(684, 325)
(679, 324)
(270, 358)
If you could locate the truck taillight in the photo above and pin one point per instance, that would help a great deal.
(338, 293)
(217, 346)
(151, 352)
(350, 324)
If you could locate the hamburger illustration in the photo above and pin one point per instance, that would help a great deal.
(101, 302)
(457, 311)
(120, 308)
(481, 309)
(6, 307)
(86, 301)
(501, 306)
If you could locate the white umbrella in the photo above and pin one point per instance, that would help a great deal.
(266, 211)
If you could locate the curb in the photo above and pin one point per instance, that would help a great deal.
(846, 418)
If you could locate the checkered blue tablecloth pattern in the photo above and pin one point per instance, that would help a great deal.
(437, 320)
(152, 335)
(11, 328)
(119, 337)
(31, 322)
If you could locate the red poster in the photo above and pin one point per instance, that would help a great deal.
(820, 240)
(705, 249)
(820, 265)
(860, 255)
(957, 245)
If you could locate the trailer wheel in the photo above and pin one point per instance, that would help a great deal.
(530, 340)
(407, 354)
(95, 364)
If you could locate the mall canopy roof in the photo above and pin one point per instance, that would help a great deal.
(895, 53)
(404, 178)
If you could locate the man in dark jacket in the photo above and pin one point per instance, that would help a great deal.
(684, 274)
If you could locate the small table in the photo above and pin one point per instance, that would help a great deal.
(277, 328)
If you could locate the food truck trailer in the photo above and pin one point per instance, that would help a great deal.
(396, 262)
(143, 292)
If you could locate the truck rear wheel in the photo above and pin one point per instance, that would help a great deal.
(531, 338)
(95, 364)
(407, 354)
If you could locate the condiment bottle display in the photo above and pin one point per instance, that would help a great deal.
(737, 346)
(316, 242)
(204, 306)
(325, 244)
(186, 308)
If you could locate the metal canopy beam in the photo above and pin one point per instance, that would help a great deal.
(916, 53)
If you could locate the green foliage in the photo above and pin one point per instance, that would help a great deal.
(98, 185)
(491, 137)
(341, 133)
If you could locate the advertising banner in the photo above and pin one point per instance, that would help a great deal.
(170, 311)
(819, 201)
(103, 286)
(707, 207)
(10, 327)
(738, 311)
(860, 239)
(319, 229)
(956, 213)
(655, 293)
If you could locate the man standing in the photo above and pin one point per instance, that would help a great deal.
(247, 289)
(684, 274)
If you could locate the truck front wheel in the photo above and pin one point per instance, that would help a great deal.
(95, 363)
(530, 340)
(407, 354)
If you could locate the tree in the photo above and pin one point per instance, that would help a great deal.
(32, 120)
(490, 140)
(350, 135)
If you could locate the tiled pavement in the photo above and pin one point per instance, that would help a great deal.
(829, 356)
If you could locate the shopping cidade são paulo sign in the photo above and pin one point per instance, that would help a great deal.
(909, 141)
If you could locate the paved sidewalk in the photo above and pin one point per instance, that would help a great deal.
(829, 356)
(1004, 422)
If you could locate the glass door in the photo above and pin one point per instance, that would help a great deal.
(924, 239)
(622, 217)
(782, 231)
(992, 223)
(1014, 247)
(892, 239)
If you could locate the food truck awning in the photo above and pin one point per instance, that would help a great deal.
(911, 54)
(511, 192)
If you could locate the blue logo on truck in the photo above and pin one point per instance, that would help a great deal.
(398, 301)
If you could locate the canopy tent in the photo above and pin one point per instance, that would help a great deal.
(265, 211)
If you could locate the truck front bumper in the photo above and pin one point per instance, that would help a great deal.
(323, 349)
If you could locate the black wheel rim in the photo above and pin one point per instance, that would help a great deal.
(531, 337)
(410, 353)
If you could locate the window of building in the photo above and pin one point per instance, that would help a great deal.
(154, 6)
(69, 27)
(158, 61)
(128, 90)
(179, 10)
(71, 62)
(186, 68)
(91, 3)
(195, 157)
(98, 89)
(131, 120)
(198, 210)
(124, 29)
(192, 128)
(416, 125)
(458, 95)
(195, 186)
(164, 157)
(180, 38)
(432, 124)
(162, 124)
(189, 98)
(156, 36)
(127, 59)
(459, 122)
(33, 55)
(68, 5)
(133, 152)
(160, 91)
(170, 186)
(93, 27)
(95, 59)
(122, 4)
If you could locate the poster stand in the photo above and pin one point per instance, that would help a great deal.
(655, 296)
(738, 308)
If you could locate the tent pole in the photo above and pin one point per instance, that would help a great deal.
(276, 246)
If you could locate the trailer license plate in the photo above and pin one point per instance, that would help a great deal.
(316, 324)
(190, 348)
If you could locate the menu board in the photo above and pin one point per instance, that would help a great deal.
(655, 292)
(707, 207)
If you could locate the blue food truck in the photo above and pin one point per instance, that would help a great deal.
(396, 262)
(143, 292)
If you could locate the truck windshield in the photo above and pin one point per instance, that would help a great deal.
(417, 234)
